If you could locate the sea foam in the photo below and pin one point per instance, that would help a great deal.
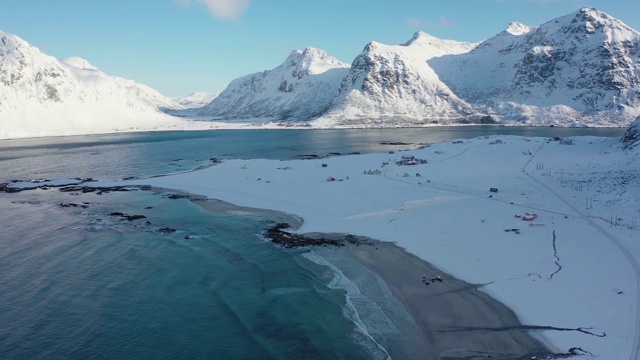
(380, 319)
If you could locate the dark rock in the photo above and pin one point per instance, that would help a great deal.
(135, 217)
(631, 137)
(177, 196)
(166, 230)
(394, 143)
(67, 205)
(277, 235)
(7, 188)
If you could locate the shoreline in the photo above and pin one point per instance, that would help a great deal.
(223, 207)
(446, 311)
(454, 317)
(446, 214)
(217, 125)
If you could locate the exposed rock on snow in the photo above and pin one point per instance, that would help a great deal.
(301, 88)
(41, 95)
(394, 83)
(631, 137)
(582, 68)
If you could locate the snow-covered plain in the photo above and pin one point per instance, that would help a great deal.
(584, 192)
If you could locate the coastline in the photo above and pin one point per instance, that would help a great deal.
(223, 207)
(443, 212)
(453, 318)
(446, 311)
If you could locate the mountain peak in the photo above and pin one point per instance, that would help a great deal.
(312, 60)
(420, 37)
(516, 28)
(590, 11)
(589, 19)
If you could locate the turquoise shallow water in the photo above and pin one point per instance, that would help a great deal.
(79, 283)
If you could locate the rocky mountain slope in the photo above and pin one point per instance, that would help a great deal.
(41, 95)
(388, 84)
(583, 68)
(302, 87)
(631, 137)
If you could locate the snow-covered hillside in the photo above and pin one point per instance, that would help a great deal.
(196, 99)
(394, 83)
(41, 95)
(302, 87)
(583, 68)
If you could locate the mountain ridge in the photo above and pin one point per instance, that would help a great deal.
(581, 69)
(41, 96)
(302, 87)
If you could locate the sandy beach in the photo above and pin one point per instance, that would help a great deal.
(457, 319)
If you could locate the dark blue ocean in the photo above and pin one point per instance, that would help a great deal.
(78, 282)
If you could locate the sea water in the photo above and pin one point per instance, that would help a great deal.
(117, 156)
(78, 282)
(81, 283)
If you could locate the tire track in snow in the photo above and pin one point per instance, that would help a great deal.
(555, 255)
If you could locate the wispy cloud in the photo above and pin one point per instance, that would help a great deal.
(221, 9)
(442, 23)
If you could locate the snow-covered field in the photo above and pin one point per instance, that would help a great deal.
(575, 266)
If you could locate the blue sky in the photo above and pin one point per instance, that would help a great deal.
(180, 46)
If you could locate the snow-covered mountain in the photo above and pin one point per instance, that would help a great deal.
(41, 95)
(583, 68)
(196, 99)
(388, 84)
(302, 87)
(579, 69)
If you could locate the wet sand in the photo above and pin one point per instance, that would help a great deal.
(458, 320)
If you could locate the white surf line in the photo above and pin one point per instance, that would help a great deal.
(635, 349)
